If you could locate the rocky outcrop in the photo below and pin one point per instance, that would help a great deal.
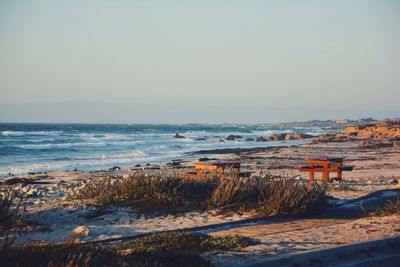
(379, 134)
(288, 136)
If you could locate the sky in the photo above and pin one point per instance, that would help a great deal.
(198, 61)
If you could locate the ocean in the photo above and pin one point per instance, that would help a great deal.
(33, 147)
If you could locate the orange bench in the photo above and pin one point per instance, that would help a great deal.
(325, 165)
(213, 167)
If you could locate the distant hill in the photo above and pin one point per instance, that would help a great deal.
(85, 111)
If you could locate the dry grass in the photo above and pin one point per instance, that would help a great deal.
(162, 249)
(267, 194)
(149, 192)
(391, 208)
(341, 187)
(75, 255)
(11, 214)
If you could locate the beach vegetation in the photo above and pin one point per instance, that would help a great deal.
(340, 187)
(11, 213)
(391, 208)
(161, 249)
(187, 241)
(228, 192)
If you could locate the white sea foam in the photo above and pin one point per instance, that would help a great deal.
(63, 145)
(20, 133)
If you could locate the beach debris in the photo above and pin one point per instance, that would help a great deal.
(80, 231)
(177, 135)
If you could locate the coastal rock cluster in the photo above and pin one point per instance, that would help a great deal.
(378, 134)
(283, 136)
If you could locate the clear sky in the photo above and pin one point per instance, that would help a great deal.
(235, 55)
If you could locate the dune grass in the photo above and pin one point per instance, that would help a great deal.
(11, 214)
(265, 195)
(187, 241)
(391, 208)
(161, 249)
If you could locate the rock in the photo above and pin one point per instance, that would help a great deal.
(174, 163)
(275, 137)
(32, 192)
(125, 176)
(80, 231)
(394, 181)
(296, 136)
(250, 139)
(288, 136)
(221, 140)
(26, 189)
(177, 135)
(115, 168)
(201, 139)
(261, 139)
(233, 137)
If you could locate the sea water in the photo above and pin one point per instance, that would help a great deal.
(37, 147)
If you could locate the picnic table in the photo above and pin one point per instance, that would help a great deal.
(325, 165)
(215, 167)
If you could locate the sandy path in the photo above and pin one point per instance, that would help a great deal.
(303, 235)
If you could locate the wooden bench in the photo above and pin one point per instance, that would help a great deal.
(325, 165)
(215, 167)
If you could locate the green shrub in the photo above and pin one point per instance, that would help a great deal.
(186, 241)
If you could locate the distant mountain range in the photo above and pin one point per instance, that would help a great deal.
(84, 111)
